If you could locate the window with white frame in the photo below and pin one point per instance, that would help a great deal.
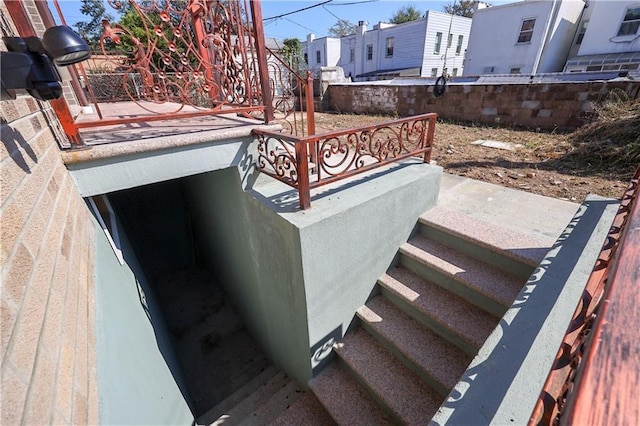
(369, 52)
(389, 44)
(434, 72)
(515, 70)
(318, 57)
(526, 30)
(352, 54)
(459, 46)
(454, 72)
(489, 70)
(630, 22)
(583, 30)
(436, 48)
(449, 40)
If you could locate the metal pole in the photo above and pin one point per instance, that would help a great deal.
(261, 53)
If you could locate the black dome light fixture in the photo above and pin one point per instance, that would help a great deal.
(27, 65)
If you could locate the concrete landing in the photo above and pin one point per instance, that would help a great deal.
(532, 218)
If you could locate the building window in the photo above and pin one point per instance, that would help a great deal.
(514, 70)
(352, 54)
(489, 70)
(449, 40)
(436, 48)
(454, 72)
(306, 58)
(434, 72)
(583, 30)
(389, 47)
(369, 52)
(318, 57)
(630, 23)
(594, 68)
(459, 46)
(526, 31)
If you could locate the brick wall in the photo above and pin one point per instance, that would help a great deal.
(545, 106)
(46, 294)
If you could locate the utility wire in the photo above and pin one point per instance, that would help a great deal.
(299, 10)
(353, 2)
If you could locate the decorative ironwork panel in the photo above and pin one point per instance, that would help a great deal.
(277, 157)
(353, 150)
(337, 155)
(198, 53)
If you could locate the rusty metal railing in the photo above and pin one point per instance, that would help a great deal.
(183, 59)
(312, 161)
(594, 379)
(292, 96)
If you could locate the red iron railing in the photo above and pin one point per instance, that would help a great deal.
(594, 379)
(292, 96)
(184, 59)
(315, 160)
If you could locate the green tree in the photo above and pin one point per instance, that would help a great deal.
(342, 28)
(406, 13)
(91, 30)
(462, 8)
(292, 52)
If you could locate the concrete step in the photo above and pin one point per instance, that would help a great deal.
(483, 285)
(496, 245)
(450, 316)
(306, 411)
(402, 393)
(345, 400)
(272, 407)
(437, 361)
(246, 400)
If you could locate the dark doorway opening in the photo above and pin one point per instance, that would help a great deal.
(216, 352)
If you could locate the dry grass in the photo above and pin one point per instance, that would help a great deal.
(612, 140)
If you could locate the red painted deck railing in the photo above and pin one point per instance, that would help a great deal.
(596, 375)
(316, 160)
(183, 59)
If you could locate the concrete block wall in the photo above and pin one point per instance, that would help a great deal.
(47, 310)
(545, 106)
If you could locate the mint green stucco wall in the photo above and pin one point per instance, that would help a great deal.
(298, 276)
(139, 378)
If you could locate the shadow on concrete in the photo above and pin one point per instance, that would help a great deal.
(14, 142)
(483, 387)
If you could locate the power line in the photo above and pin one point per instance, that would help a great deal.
(299, 10)
(353, 2)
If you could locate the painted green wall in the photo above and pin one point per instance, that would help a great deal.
(298, 276)
(139, 378)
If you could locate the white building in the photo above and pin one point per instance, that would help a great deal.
(418, 48)
(321, 52)
(608, 38)
(527, 37)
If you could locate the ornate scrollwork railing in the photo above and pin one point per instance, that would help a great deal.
(586, 331)
(179, 58)
(292, 96)
(312, 161)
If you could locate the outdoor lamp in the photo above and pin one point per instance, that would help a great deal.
(28, 62)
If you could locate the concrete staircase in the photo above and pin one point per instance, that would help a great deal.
(434, 309)
(258, 402)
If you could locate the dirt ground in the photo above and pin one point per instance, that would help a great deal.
(539, 162)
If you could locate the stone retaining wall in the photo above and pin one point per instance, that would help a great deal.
(543, 105)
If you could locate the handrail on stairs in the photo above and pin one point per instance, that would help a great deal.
(594, 379)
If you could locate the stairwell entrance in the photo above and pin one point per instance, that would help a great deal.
(216, 353)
